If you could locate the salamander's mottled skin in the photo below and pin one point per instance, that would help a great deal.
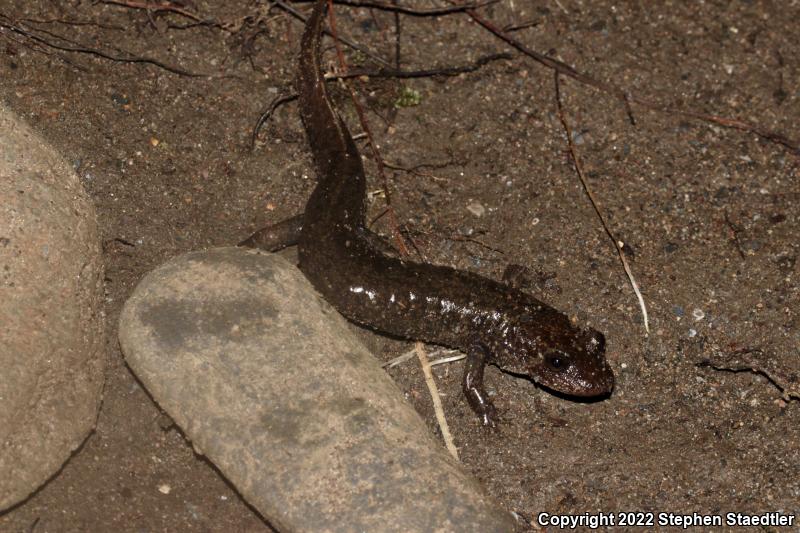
(492, 322)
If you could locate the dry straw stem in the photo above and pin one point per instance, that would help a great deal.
(579, 169)
(437, 401)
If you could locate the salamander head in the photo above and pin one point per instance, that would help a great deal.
(578, 369)
(566, 359)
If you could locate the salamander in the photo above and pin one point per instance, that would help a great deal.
(492, 322)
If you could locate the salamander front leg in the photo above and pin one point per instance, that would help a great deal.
(473, 385)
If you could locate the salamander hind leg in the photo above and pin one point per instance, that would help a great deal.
(276, 236)
(377, 242)
(472, 385)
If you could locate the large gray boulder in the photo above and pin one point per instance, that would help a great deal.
(268, 382)
(52, 357)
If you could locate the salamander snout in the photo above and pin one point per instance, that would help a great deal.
(579, 368)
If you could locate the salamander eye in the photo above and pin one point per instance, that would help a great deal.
(558, 361)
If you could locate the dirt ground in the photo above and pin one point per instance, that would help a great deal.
(709, 216)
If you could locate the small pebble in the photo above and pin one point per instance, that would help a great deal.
(476, 208)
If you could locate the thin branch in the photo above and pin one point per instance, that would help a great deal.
(425, 73)
(276, 102)
(579, 169)
(731, 123)
(521, 26)
(743, 361)
(73, 23)
(432, 12)
(381, 73)
(155, 7)
(93, 51)
(735, 231)
(27, 43)
(397, 34)
(555, 64)
(415, 168)
(295, 13)
(463, 238)
(626, 98)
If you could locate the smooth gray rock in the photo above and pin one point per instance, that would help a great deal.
(272, 386)
(52, 357)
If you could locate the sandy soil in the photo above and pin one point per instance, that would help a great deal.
(709, 216)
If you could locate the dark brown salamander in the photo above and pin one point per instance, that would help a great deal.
(492, 322)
